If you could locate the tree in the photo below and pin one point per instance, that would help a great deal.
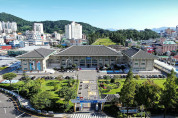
(9, 76)
(137, 77)
(112, 80)
(148, 94)
(128, 91)
(41, 100)
(56, 86)
(67, 93)
(169, 94)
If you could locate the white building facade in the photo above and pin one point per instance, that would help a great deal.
(38, 27)
(73, 31)
(8, 27)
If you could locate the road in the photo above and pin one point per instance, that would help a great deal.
(8, 108)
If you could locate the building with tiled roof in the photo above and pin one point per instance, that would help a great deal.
(139, 60)
(35, 60)
(89, 56)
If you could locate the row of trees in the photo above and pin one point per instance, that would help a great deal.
(150, 94)
(121, 35)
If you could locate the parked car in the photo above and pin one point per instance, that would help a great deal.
(44, 112)
(39, 111)
(50, 112)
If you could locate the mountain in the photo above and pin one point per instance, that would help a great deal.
(49, 26)
(162, 29)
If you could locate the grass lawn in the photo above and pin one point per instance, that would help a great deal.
(159, 82)
(104, 41)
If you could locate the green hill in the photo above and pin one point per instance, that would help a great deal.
(104, 41)
(49, 26)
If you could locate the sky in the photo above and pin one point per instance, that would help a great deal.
(116, 14)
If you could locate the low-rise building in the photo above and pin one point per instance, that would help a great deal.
(139, 60)
(88, 56)
(35, 60)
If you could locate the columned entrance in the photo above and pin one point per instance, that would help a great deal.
(88, 62)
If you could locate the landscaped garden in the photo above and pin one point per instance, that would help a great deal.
(104, 41)
(48, 95)
(140, 95)
(114, 85)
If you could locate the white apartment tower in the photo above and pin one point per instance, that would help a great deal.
(8, 27)
(177, 30)
(73, 31)
(38, 27)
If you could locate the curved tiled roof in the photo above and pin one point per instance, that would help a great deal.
(37, 53)
(89, 50)
(136, 53)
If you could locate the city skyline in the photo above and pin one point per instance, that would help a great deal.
(116, 14)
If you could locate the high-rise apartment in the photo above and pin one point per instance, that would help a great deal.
(73, 31)
(38, 27)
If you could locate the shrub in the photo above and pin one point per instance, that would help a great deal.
(112, 81)
(137, 77)
(107, 82)
(118, 84)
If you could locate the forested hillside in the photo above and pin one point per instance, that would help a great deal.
(92, 32)
(49, 26)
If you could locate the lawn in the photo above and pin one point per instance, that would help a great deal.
(104, 41)
(159, 82)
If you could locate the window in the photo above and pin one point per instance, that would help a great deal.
(136, 63)
(25, 69)
(143, 64)
(25, 64)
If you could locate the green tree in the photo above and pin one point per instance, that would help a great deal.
(169, 94)
(128, 91)
(41, 100)
(137, 77)
(148, 94)
(56, 86)
(67, 93)
(9, 76)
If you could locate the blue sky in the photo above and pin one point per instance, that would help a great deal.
(117, 14)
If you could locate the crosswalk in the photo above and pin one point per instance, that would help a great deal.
(87, 116)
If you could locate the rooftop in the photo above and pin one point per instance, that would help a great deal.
(37, 53)
(169, 42)
(89, 50)
(136, 53)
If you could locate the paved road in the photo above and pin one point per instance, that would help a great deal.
(8, 109)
